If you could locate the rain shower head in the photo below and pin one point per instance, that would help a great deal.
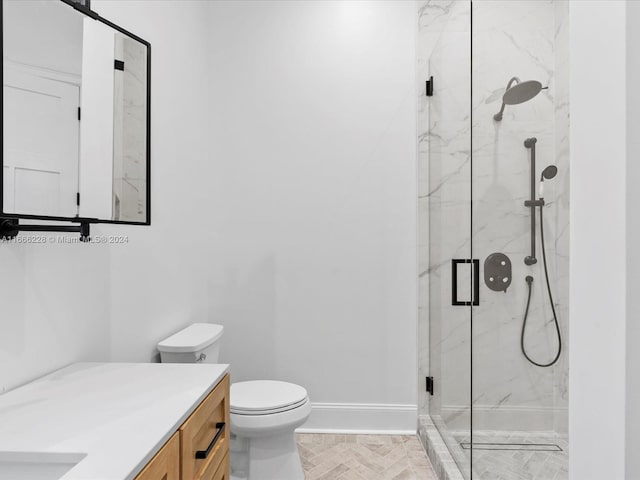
(522, 92)
(519, 93)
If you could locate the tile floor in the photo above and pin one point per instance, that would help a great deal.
(449, 457)
(519, 464)
(363, 457)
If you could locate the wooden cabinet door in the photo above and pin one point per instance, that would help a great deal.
(166, 464)
(204, 437)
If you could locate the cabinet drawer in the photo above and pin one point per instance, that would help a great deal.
(166, 464)
(204, 437)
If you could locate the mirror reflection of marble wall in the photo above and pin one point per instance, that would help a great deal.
(57, 60)
(129, 132)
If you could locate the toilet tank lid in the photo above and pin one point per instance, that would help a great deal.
(195, 337)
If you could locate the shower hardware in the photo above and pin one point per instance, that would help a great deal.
(521, 92)
(429, 383)
(530, 143)
(475, 266)
(497, 272)
(548, 173)
(529, 280)
(429, 86)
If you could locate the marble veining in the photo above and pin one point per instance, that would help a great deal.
(473, 179)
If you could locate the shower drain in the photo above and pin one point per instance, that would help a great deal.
(537, 447)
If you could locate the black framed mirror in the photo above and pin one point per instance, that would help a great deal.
(76, 116)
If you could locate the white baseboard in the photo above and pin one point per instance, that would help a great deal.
(361, 418)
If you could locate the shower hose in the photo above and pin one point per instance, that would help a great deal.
(553, 308)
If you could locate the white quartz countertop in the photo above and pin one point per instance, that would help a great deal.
(117, 414)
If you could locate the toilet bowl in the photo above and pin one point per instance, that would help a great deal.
(264, 413)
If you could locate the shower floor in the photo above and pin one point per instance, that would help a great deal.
(499, 455)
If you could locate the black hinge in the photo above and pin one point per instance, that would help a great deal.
(118, 65)
(84, 6)
(430, 385)
(78, 198)
(79, 113)
(430, 86)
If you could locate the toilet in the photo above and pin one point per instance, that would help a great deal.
(264, 413)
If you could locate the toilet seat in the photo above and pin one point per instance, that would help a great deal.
(266, 397)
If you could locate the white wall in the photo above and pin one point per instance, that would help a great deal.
(55, 308)
(283, 198)
(159, 279)
(313, 184)
(633, 242)
(597, 306)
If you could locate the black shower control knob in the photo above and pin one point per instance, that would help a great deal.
(497, 272)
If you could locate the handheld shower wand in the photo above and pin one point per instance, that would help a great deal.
(548, 173)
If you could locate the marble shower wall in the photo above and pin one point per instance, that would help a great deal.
(527, 39)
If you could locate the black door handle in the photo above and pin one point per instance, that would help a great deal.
(205, 453)
(454, 282)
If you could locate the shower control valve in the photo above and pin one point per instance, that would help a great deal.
(497, 272)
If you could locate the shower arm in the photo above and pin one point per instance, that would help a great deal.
(513, 80)
(532, 203)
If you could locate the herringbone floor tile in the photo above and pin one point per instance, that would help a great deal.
(363, 457)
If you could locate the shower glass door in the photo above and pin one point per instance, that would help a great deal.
(446, 273)
(493, 311)
(520, 68)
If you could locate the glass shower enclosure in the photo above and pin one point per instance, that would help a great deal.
(493, 198)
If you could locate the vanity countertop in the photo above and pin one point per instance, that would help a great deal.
(118, 414)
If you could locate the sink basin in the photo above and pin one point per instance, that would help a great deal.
(37, 465)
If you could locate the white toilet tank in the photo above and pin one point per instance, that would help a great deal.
(198, 343)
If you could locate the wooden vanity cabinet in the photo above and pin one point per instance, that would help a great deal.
(199, 450)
